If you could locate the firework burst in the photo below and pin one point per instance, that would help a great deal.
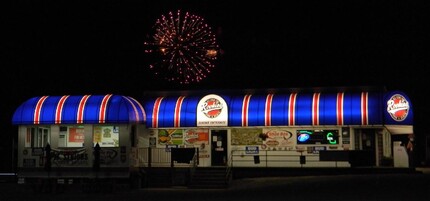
(182, 48)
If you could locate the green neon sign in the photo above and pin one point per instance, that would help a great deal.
(330, 138)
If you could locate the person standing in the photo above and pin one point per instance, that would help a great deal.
(410, 150)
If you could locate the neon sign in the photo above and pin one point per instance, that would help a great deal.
(330, 138)
(317, 136)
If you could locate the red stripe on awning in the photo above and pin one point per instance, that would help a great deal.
(103, 106)
(245, 110)
(292, 109)
(59, 110)
(155, 112)
(268, 110)
(81, 108)
(38, 109)
(141, 109)
(364, 108)
(339, 108)
(177, 117)
(136, 112)
(315, 109)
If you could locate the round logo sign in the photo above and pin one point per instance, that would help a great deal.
(212, 107)
(398, 107)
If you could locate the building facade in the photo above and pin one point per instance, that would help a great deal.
(246, 128)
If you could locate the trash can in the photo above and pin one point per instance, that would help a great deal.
(256, 159)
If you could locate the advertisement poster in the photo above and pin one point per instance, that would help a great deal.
(170, 137)
(76, 135)
(247, 136)
(278, 139)
(97, 135)
(198, 138)
(106, 136)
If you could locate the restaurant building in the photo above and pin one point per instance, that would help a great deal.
(283, 127)
(239, 128)
(58, 136)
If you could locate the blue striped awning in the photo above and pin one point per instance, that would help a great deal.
(286, 109)
(172, 111)
(86, 109)
(297, 109)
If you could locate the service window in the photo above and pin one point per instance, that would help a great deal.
(106, 136)
(71, 136)
(37, 136)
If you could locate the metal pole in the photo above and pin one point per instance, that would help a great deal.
(13, 154)
(427, 145)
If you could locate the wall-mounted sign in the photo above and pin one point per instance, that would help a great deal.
(69, 157)
(398, 107)
(277, 138)
(212, 110)
(37, 151)
(317, 137)
(251, 150)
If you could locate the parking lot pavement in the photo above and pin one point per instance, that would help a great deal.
(334, 187)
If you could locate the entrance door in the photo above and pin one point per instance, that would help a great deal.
(365, 148)
(219, 147)
(368, 140)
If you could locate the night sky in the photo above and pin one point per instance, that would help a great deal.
(96, 47)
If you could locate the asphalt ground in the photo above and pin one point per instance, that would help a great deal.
(393, 186)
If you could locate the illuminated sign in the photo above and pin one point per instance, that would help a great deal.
(398, 107)
(212, 110)
(317, 137)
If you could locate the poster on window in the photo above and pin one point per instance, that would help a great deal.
(106, 136)
(76, 135)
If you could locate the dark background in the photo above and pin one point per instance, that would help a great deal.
(96, 47)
